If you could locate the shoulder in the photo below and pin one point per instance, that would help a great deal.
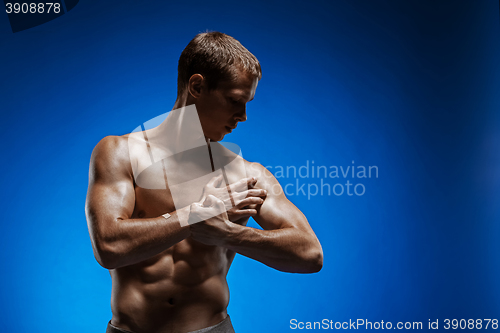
(265, 179)
(255, 169)
(111, 155)
(110, 148)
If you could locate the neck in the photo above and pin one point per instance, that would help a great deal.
(184, 100)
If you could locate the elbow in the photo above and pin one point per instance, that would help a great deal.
(316, 261)
(106, 255)
(313, 259)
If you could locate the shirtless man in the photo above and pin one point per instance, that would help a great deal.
(169, 276)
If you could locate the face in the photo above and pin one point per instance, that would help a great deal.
(221, 110)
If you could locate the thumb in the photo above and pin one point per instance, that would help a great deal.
(210, 201)
(215, 181)
(218, 181)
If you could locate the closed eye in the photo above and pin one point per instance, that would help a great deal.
(233, 101)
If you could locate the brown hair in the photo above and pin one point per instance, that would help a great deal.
(217, 57)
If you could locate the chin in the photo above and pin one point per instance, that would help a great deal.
(216, 138)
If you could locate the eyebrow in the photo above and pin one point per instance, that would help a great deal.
(243, 96)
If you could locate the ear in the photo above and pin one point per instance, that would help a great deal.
(196, 84)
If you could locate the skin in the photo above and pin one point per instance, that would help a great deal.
(168, 278)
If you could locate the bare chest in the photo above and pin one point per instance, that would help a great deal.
(177, 181)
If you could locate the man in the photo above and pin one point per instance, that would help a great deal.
(169, 246)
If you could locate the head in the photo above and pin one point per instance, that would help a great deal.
(219, 76)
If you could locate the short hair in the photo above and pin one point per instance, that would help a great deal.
(217, 57)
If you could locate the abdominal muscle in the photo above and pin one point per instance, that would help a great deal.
(179, 290)
(182, 289)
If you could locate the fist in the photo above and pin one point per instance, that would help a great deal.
(214, 226)
(240, 199)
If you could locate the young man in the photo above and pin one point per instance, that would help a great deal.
(169, 243)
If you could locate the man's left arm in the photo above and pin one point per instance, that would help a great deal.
(287, 242)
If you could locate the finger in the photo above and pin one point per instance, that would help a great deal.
(210, 201)
(249, 201)
(218, 181)
(215, 181)
(252, 182)
(243, 185)
(239, 196)
(242, 213)
(252, 193)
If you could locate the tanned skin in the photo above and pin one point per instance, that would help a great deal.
(168, 278)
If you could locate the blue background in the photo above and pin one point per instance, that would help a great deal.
(408, 86)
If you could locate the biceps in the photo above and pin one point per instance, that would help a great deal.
(110, 201)
(278, 213)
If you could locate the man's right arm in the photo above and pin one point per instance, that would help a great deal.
(117, 239)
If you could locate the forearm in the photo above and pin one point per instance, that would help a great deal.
(286, 249)
(127, 242)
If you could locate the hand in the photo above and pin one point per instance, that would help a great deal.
(246, 199)
(215, 226)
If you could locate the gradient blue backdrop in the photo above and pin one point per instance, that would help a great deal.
(409, 86)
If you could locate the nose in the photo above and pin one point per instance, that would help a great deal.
(242, 114)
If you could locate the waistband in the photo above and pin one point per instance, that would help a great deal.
(224, 326)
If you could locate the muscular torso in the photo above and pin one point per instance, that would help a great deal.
(184, 288)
